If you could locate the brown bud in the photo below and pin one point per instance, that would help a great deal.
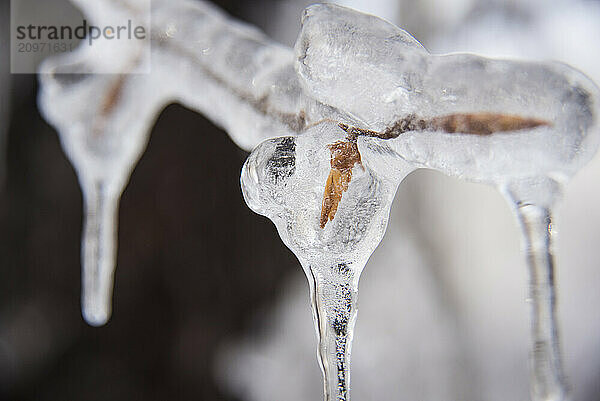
(483, 123)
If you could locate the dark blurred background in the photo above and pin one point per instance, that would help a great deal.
(194, 263)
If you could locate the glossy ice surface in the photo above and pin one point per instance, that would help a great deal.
(376, 75)
(348, 68)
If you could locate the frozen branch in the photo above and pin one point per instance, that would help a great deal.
(226, 70)
(524, 128)
(359, 106)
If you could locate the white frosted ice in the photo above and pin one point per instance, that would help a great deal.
(230, 72)
(328, 187)
(103, 121)
(387, 75)
(227, 70)
(383, 78)
(284, 179)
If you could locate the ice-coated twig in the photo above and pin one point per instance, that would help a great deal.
(227, 70)
(462, 123)
(345, 154)
(538, 132)
(284, 179)
(534, 122)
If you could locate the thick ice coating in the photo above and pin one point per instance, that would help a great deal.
(284, 179)
(229, 71)
(520, 126)
(103, 138)
(359, 106)
(380, 74)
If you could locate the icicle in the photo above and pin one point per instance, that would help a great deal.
(99, 251)
(285, 180)
(548, 382)
(532, 201)
(103, 140)
(380, 91)
(229, 71)
(97, 100)
(334, 291)
(498, 122)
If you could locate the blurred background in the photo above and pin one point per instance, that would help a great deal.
(210, 305)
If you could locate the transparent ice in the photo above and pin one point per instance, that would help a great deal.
(378, 74)
(283, 179)
(224, 69)
(347, 68)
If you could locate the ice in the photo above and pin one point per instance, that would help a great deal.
(227, 70)
(406, 347)
(103, 138)
(522, 127)
(284, 179)
(359, 106)
(230, 72)
(103, 143)
(387, 75)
